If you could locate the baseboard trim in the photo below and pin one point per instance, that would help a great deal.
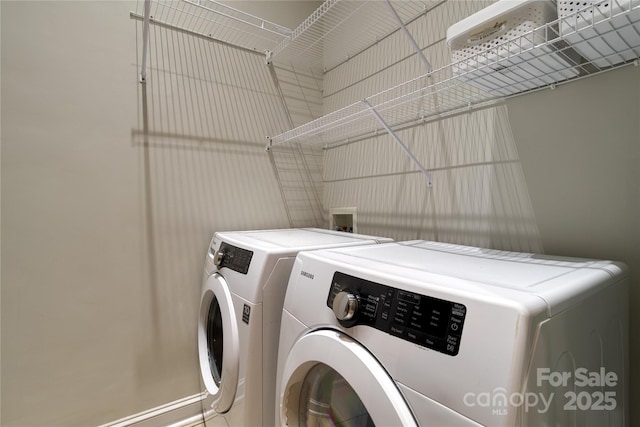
(185, 412)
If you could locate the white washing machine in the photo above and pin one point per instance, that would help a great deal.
(433, 334)
(245, 276)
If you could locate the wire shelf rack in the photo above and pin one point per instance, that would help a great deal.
(596, 38)
(212, 19)
(540, 58)
(347, 27)
(418, 100)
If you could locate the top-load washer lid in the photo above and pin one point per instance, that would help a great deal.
(557, 280)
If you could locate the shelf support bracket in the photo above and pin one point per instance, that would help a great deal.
(145, 40)
(399, 142)
(409, 36)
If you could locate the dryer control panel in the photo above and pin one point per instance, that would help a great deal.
(233, 257)
(429, 322)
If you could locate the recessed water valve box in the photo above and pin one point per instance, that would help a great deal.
(343, 219)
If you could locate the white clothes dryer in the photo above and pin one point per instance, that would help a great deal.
(245, 276)
(434, 334)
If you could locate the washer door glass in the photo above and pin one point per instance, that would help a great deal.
(218, 344)
(215, 340)
(329, 379)
(327, 399)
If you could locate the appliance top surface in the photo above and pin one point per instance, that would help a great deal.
(550, 277)
(296, 239)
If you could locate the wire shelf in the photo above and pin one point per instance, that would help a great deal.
(417, 100)
(211, 19)
(538, 58)
(347, 27)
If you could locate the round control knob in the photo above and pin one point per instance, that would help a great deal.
(345, 305)
(218, 257)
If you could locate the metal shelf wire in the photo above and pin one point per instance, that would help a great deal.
(421, 99)
(347, 28)
(542, 57)
(212, 19)
(537, 59)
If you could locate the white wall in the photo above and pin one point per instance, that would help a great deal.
(104, 229)
(580, 152)
(479, 195)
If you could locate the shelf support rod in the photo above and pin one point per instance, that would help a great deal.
(145, 40)
(409, 36)
(400, 143)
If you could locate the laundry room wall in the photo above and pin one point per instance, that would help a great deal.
(111, 191)
(580, 151)
(479, 195)
(556, 171)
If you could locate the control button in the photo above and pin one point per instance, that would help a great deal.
(345, 305)
(369, 309)
(431, 342)
(413, 336)
(455, 325)
(452, 345)
(453, 340)
(218, 257)
(396, 330)
(458, 310)
(400, 318)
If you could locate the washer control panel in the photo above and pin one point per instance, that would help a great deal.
(233, 257)
(429, 322)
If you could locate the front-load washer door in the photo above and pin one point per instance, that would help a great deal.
(218, 345)
(328, 379)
